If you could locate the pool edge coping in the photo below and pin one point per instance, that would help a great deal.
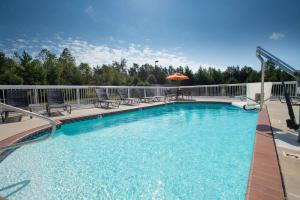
(265, 178)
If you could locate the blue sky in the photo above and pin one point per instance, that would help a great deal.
(176, 32)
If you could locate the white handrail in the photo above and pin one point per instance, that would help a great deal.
(51, 121)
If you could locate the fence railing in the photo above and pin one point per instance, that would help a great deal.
(37, 94)
(72, 94)
(221, 90)
(277, 89)
(85, 95)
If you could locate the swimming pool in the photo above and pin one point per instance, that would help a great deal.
(179, 151)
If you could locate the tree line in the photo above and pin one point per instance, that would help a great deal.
(49, 69)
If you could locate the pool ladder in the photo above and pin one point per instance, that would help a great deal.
(31, 114)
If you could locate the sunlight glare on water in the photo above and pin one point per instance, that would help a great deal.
(180, 151)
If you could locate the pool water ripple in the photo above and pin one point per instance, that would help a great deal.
(181, 151)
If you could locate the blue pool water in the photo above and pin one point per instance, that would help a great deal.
(181, 151)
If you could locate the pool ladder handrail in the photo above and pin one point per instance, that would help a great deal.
(32, 114)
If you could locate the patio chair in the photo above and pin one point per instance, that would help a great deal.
(123, 93)
(187, 93)
(140, 94)
(17, 98)
(170, 95)
(150, 93)
(295, 100)
(55, 99)
(103, 101)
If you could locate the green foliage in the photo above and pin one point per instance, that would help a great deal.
(70, 73)
(151, 79)
(47, 68)
(9, 78)
(189, 73)
(201, 76)
(50, 64)
(109, 75)
(9, 71)
(86, 73)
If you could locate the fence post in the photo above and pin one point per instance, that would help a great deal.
(128, 92)
(35, 96)
(106, 90)
(77, 96)
(145, 92)
(3, 96)
(222, 91)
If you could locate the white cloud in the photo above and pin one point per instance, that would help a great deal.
(21, 40)
(98, 54)
(93, 54)
(90, 11)
(276, 36)
(101, 54)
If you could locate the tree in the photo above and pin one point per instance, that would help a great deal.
(144, 71)
(271, 74)
(171, 70)
(133, 70)
(201, 77)
(180, 69)
(32, 71)
(50, 64)
(151, 79)
(38, 73)
(9, 71)
(253, 76)
(70, 74)
(216, 75)
(189, 73)
(245, 72)
(86, 73)
(120, 66)
(134, 80)
(109, 75)
(48, 69)
(231, 75)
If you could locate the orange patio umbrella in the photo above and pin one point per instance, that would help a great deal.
(177, 77)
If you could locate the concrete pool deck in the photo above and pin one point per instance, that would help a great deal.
(264, 180)
(288, 149)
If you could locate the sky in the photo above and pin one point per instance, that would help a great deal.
(215, 33)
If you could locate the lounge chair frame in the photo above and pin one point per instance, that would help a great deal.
(169, 95)
(140, 94)
(17, 98)
(157, 98)
(123, 94)
(186, 92)
(55, 99)
(295, 100)
(103, 101)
